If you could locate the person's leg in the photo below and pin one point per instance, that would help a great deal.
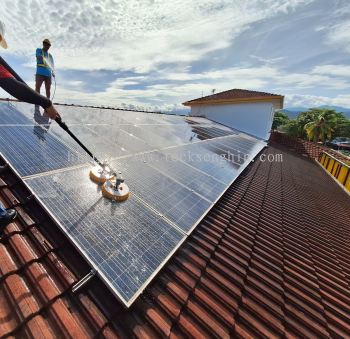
(48, 86)
(38, 82)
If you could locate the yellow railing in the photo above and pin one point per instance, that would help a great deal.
(336, 168)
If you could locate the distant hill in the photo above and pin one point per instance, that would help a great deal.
(293, 112)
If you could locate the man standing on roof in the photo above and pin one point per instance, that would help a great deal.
(44, 68)
(14, 85)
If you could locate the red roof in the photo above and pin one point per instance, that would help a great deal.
(271, 259)
(233, 94)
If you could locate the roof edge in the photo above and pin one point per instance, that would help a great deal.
(233, 100)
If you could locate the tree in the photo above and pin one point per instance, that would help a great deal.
(343, 126)
(323, 124)
(279, 119)
(318, 125)
(291, 128)
(295, 127)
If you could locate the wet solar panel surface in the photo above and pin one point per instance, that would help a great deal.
(127, 242)
(176, 168)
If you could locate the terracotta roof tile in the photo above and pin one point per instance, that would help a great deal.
(233, 94)
(265, 261)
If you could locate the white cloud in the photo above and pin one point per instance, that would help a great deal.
(185, 86)
(131, 34)
(297, 100)
(339, 35)
(335, 70)
(339, 27)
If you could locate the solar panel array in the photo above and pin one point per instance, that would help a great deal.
(176, 168)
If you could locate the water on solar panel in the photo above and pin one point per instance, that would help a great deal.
(128, 143)
(10, 113)
(104, 142)
(88, 115)
(127, 242)
(32, 150)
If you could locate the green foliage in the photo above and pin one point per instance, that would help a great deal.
(322, 126)
(343, 127)
(318, 125)
(279, 119)
(292, 128)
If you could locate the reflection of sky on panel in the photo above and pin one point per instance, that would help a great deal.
(10, 114)
(31, 150)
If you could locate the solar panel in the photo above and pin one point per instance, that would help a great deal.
(175, 201)
(202, 157)
(32, 150)
(88, 115)
(176, 168)
(11, 115)
(104, 141)
(126, 242)
(203, 184)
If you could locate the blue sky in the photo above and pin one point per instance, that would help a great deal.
(157, 54)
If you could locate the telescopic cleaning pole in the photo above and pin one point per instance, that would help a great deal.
(65, 127)
(58, 120)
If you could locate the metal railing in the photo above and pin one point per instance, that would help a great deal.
(338, 169)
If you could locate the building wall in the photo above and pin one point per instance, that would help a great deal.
(252, 118)
(277, 104)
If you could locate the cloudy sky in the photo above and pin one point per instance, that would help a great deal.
(158, 53)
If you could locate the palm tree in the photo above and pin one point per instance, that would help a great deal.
(322, 126)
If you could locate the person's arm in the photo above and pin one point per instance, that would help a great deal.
(22, 92)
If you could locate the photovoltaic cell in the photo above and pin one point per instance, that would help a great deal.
(126, 242)
(32, 150)
(195, 180)
(207, 132)
(119, 138)
(11, 115)
(203, 157)
(104, 142)
(176, 202)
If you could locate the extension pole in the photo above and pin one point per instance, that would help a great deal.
(65, 127)
(58, 120)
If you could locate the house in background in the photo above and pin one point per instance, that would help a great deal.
(248, 111)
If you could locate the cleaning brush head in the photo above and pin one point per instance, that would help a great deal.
(100, 174)
(115, 192)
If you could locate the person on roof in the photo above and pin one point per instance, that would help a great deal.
(14, 85)
(44, 68)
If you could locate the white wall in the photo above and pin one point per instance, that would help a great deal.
(252, 118)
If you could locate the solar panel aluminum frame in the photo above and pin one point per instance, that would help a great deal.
(86, 257)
